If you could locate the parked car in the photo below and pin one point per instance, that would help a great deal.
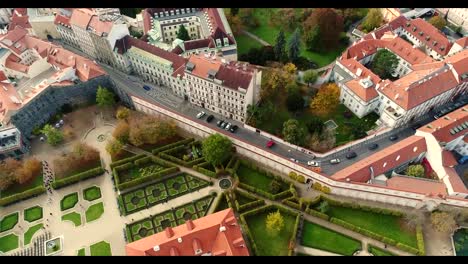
(270, 144)
(209, 118)
(146, 87)
(393, 138)
(224, 124)
(228, 126)
(233, 129)
(313, 163)
(219, 123)
(294, 160)
(335, 161)
(201, 114)
(373, 146)
(351, 155)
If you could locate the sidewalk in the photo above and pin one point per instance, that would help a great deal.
(261, 41)
(314, 251)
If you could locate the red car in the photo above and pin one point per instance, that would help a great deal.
(270, 144)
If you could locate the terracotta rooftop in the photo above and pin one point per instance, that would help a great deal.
(14, 40)
(197, 44)
(448, 160)
(217, 234)
(390, 26)
(61, 19)
(455, 181)
(81, 17)
(20, 18)
(383, 161)
(460, 63)
(429, 35)
(463, 42)
(9, 99)
(366, 94)
(445, 128)
(415, 185)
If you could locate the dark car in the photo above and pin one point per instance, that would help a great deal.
(146, 87)
(233, 129)
(373, 146)
(209, 118)
(219, 123)
(351, 155)
(393, 138)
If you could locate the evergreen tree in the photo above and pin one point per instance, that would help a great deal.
(183, 33)
(294, 46)
(280, 46)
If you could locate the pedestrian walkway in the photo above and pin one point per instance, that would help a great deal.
(314, 251)
(255, 37)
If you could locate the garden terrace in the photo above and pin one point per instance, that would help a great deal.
(32, 214)
(169, 218)
(186, 155)
(266, 244)
(319, 237)
(9, 221)
(159, 192)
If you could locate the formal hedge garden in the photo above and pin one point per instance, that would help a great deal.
(159, 192)
(169, 218)
(19, 192)
(33, 214)
(92, 193)
(102, 248)
(9, 242)
(69, 201)
(94, 212)
(57, 184)
(221, 203)
(73, 217)
(9, 221)
(187, 154)
(28, 235)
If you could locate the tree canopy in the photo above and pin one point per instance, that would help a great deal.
(326, 100)
(122, 113)
(183, 33)
(150, 130)
(294, 101)
(443, 222)
(280, 45)
(373, 20)
(310, 76)
(415, 171)
(21, 172)
(438, 22)
(294, 46)
(104, 97)
(293, 132)
(323, 29)
(274, 222)
(54, 136)
(216, 149)
(384, 64)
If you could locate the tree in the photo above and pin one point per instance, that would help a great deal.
(235, 23)
(324, 207)
(322, 142)
(285, 18)
(104, 97)
(384, 64)
(54, 136)
(150, 130)
(310, 77)
(216, 149)
(294, 101)
(234, 11)
(290, 70)
(183, 33)
(326, 100)
(315, 125)
(293, 132)
(259, 56)
(122, 132)
(85, 152)
(294, 45)
(438, 22)
(114, 147)
(373, 20)
(279, 48)
(443, 222)
(247, 17)
(274, 222)
(327, 25)
(122, 113)
(415, 171)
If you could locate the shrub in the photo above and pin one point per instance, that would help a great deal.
(292, 175)
(317, 186)
(420, 240)
(407, 248)
(172, 145)
(22, 196)
(77, 177)
(205, 171)
(275, 187)
(251, 205)
(152, 176)
(126, 160)
(317, 214)
(301, 178)
(142, 161)
(326, 189)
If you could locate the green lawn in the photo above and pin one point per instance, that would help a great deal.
(19, 188)
(267, 244)
(245, 43)
(9, 221)
(69, 201)
(378, 251)
(322, 58)
(101, 249)
(9, 242)
(32, 214)
(255, 178)
(73, 217)
(92, 193)
(94, 212)
(316, 236)
(81, 252)
(30, 233)
(385, 225)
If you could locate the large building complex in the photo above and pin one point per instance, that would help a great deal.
(217, 234)
(36, 79)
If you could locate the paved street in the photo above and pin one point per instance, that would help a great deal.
(165, 97)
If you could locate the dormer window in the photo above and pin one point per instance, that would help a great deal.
(421, 33)
(414, 29)
(428, 38)
(408, 24)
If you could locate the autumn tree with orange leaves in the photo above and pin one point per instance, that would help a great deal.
(326, 100)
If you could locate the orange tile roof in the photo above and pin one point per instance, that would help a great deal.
(13, 40)
(353, 65)
(366, 94)
(13, 63)
(455, 181)
(81, 17)
(391, 157)
(19, 19)
(61, 19)
(100, 27)
(430, 31)
(448, 159)
(7, 95)
(463, 42)
(203, 234)
(416, 185)
(459, 62)
(202, 65)
(440, 128)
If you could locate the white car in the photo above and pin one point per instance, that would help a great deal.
(201, 114)
(313, 163)
(335, 161)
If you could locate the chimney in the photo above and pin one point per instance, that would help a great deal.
(190, 225)
(169, 232)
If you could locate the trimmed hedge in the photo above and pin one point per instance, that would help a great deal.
(172, 145)
(362, 207)
(202, 170)
(152, 176)
(420, 240)
(123, 161)
(407, 248)
(265, 194)
(231, 162)
(250, 205)
(219, 201)
(246, 194)
(22, 196)
(78, 177)
(142, 161)
(121, 205)
(294, 235)
(317, 214)
(179, 161)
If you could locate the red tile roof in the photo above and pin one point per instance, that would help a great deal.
(19, 18)
(14, 40)
(7, 95)
(455, 181)
(81, 17)
(366, 94)
(430, 31)
(448, 159)
(392, 156)
(459, 62)
(441, 127)
(203, 235)
(13, 63)
(197, 44)
(416, 185)
(463, 42)
(61, 19)
(390, 26)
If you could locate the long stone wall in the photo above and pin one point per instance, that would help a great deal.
(283, 165)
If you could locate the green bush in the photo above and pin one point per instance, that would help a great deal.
(317, 214)
(291, 204)
(420, 240)
(142, 161)
(126, 160)
(251, 205)
(407, 248)
(22, 196)
(77, 177)
(162, 162)
(294, 234)
(292, 175)
(172, 145)
(205, 171)
(301, 178)
(150, 177)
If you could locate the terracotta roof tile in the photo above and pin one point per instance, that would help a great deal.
(61, 19)
(448, 159)
(81, 17)
(366, 94)
(463, 42)
(197, 44)
(430, 31)
(459, 62)
(441, 128)
(455, 181)
(415, 185)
